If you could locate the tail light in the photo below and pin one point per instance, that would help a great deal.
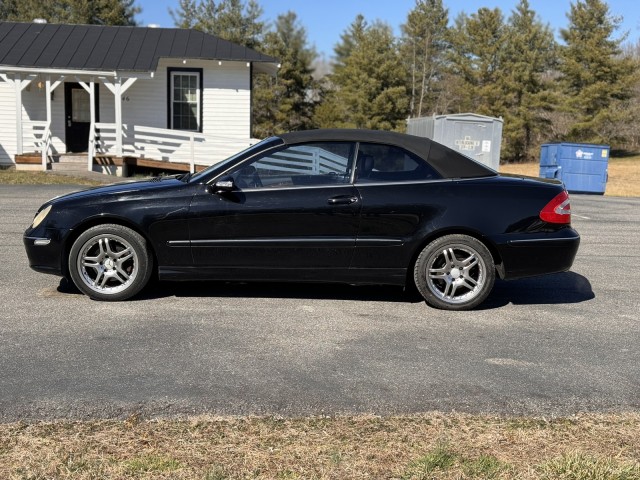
(557, 210)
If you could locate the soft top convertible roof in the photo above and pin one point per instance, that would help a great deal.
(448, 162)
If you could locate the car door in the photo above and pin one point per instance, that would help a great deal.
(293, 208)
(402, 197)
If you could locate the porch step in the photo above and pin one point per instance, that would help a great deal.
(70, 159)
(69, 167)
(69, 163)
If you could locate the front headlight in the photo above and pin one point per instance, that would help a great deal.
(41, 216)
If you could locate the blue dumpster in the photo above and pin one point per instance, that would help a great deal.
(581, 166)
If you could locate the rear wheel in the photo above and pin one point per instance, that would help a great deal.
(110, 262)
(454, 272)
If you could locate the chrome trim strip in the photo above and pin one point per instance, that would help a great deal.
(179, 243)
(360, 242)
(543, 240)
(274, 241)
(300, 187)
(378, 242)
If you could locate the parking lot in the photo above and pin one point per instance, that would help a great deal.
(549, 345)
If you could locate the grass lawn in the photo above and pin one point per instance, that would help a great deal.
(430, 446)
(21, 177)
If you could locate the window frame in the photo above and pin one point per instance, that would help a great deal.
(171, 73)
(417, 158)
(231, 172)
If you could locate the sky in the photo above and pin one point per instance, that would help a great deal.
(326, 20)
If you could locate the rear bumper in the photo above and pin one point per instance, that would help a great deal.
(527, 255)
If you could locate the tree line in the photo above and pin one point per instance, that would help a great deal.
(583, 88)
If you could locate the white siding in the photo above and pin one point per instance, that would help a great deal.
(107, 106)
(34, 108)
(226, 99)
(226, 106)
(7, 123)
(226, 109)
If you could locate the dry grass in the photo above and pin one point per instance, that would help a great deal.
(624, 175)
(20, 177)
(409, 447)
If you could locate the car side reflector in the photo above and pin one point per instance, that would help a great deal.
(557, 210)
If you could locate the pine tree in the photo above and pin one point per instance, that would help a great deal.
(597, 80)
(97, 12)
(349, 39)
(233, 20)
(529, 53)
(285, 103)
(368, 86)
(186, 15)
(423, 46)
(475, 59)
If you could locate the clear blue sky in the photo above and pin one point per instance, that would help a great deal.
(325, 20)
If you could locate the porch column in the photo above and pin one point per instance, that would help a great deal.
(91, 88)
(19, 86)
(92, 134)
(118, 88)
(46, 135)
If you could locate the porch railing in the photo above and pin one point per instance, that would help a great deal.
(162, 144)
(174, 146)
(38, 134)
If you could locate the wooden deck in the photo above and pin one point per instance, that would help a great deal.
(35, 158)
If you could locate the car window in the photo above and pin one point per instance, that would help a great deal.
(322, 163)
(387, 163)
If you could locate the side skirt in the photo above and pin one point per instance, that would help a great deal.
(356, 276)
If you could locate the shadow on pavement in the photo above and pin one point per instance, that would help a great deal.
(561, 288)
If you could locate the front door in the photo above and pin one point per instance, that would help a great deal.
(293, 209)
(78, 116)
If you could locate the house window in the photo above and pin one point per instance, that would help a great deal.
(185, 99)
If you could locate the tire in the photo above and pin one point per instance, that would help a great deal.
(110, 262)
(454, 272)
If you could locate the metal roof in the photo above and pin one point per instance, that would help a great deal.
(100, 48)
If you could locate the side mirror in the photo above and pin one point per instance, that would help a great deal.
(224, 185)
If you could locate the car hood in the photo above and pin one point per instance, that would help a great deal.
(137, 187)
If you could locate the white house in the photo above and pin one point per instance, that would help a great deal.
(123, 94)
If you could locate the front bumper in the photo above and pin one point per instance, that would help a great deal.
(45, 250)
(528, 255)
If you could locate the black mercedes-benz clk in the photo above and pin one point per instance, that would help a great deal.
(351, 206)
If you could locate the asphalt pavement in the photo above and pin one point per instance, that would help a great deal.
(551, 345)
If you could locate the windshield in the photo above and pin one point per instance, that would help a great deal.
(224, 164)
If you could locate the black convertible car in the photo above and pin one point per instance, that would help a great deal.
(351, 206)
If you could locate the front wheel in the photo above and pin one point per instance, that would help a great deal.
(110, 262)
(455, 272)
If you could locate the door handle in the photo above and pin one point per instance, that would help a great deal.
(343, 200)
